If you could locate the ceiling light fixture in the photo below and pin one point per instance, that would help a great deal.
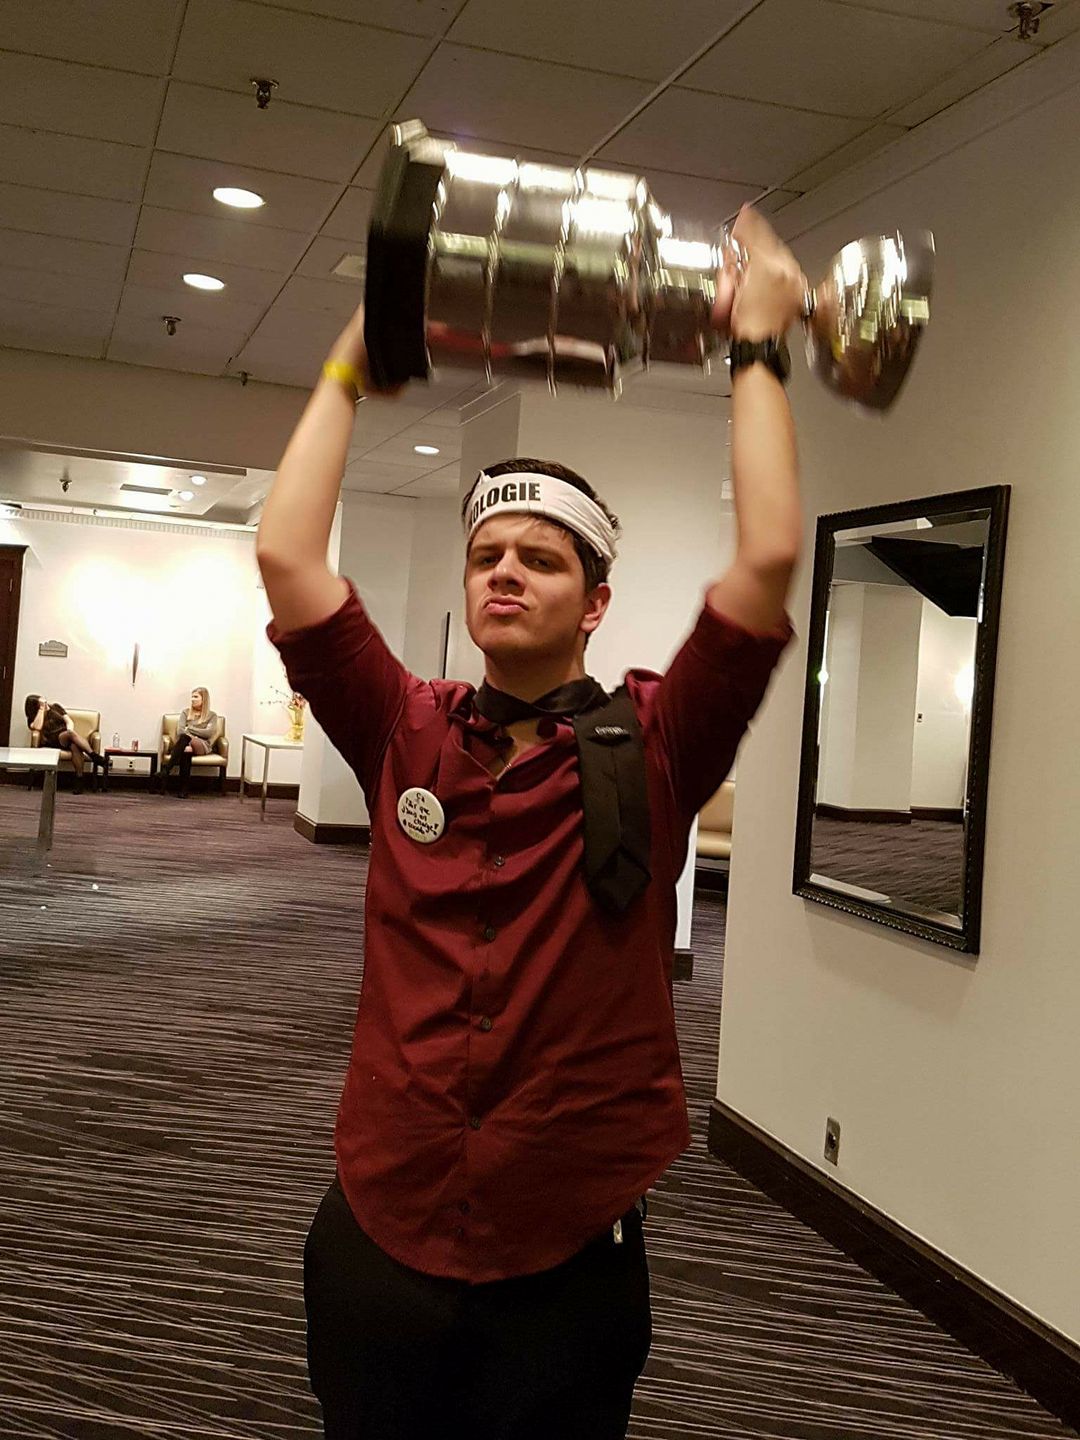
(237, 198)
(197, 479)
(204, 282)
(187, 494)
(426, 449)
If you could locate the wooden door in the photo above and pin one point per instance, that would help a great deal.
(11, 567)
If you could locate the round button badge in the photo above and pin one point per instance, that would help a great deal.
(420, 815)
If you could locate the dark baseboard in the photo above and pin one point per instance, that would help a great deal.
(253, 789)
(331, 834)
(711, 874)
(684, 965)
(1043, 1362)
(931, 812)
(878, 817)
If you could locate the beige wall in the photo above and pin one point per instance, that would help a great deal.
(955, 1080)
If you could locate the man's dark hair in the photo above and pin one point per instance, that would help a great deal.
(596, 568)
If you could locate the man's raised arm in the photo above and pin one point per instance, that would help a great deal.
(764, 463)
(294, 531)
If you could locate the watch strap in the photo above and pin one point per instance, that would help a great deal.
(772, 353)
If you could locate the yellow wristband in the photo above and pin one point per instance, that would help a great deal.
(345, 374)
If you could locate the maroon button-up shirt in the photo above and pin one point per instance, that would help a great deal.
(514, 1082)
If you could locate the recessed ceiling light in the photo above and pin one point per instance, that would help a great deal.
(426, 449)
(197, 479)
(238, 199)
(187, 494)
(204, 282)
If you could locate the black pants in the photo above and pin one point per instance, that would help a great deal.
(180, 756)
(395, 1354)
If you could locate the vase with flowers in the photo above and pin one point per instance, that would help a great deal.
(296, 706)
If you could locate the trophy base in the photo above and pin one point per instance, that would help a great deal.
(397, 257)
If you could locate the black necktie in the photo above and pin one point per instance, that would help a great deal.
(614, 793)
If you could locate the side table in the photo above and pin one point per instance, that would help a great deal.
(114, 753)
(268, 743)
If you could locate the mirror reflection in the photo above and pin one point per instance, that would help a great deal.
(888, 817)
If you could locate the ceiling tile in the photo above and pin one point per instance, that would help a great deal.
(219, 125)
(399, 449)
(57, 329)
(829, 58)
(868, 143)
(417, 17)
(289, 346)
(323, 254)
(438, 484)
(570, 33)
(304, 292)
(87, 258)
(1063, 20)
(196, 309)
(985, 15)
(99, 104)
(525, 102)
(48, 288)
(130, 34)
(351, 216)
(68, 162)
(140, 340)
(997, 59)
(360, 477)
(738, 140)
(48, 212)
(207, 239)
(179, 182)
(316, 61)
(166, 272)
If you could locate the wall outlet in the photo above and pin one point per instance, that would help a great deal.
(832, 1140)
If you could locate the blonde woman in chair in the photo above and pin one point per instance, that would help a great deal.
(194, 730)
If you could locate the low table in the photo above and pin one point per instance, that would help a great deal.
(268, 743)
(14, 757)
(115, 752)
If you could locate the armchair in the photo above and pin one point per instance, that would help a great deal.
(217, 759)
(86, 723)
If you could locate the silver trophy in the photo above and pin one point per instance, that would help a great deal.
(578, 275)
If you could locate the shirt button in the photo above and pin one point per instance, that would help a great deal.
(460, 1232)
(485, 1024)
(474, 1121)
(489, 932)
(464, 1207)
(499, 861)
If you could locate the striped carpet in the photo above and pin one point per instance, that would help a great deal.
(177, 994)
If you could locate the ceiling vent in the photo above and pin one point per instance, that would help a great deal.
(351, 267)
(145, 490)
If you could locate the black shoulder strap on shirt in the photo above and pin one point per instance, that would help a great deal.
(615, 802)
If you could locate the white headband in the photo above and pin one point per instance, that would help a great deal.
(534, 494)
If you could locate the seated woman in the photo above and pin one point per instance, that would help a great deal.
(53, 724)
(193, 732)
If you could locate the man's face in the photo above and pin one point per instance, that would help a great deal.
(525, 590)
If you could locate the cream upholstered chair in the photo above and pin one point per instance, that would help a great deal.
(714, 824)
(217, 759)
(86, 723)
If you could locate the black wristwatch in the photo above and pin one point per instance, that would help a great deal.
(772, 353)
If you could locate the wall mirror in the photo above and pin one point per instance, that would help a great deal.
(896, 719)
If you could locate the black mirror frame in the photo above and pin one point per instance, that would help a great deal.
(966, 937)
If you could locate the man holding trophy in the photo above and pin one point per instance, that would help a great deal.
(478, 1267)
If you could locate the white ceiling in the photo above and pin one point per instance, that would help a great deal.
(118, 117)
